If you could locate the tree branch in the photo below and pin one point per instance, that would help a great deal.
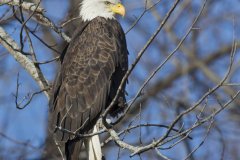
(27, 64)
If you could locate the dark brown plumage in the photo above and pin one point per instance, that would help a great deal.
(91, 71)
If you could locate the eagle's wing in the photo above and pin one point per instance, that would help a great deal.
(92, 69)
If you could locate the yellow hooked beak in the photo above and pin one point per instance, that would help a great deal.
(118, 9)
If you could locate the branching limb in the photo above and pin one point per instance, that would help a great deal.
(25, 5)
(27, 64)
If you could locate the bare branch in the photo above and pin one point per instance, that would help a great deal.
(25, 5)
(27, 64)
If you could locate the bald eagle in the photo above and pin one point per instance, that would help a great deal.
(92, 68)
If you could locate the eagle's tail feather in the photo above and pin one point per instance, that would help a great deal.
(73, 149)
(94, 146)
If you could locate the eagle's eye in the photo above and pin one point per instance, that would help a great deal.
(107, 2)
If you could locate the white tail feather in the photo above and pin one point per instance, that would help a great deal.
(93, 146)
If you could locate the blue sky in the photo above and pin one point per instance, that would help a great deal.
(30, 124)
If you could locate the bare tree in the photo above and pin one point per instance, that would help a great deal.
(183, 79)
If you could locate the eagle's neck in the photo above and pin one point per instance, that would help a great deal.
(89, 10)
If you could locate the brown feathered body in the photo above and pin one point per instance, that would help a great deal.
(92, 68)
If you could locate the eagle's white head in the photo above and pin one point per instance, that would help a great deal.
(91, 9)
